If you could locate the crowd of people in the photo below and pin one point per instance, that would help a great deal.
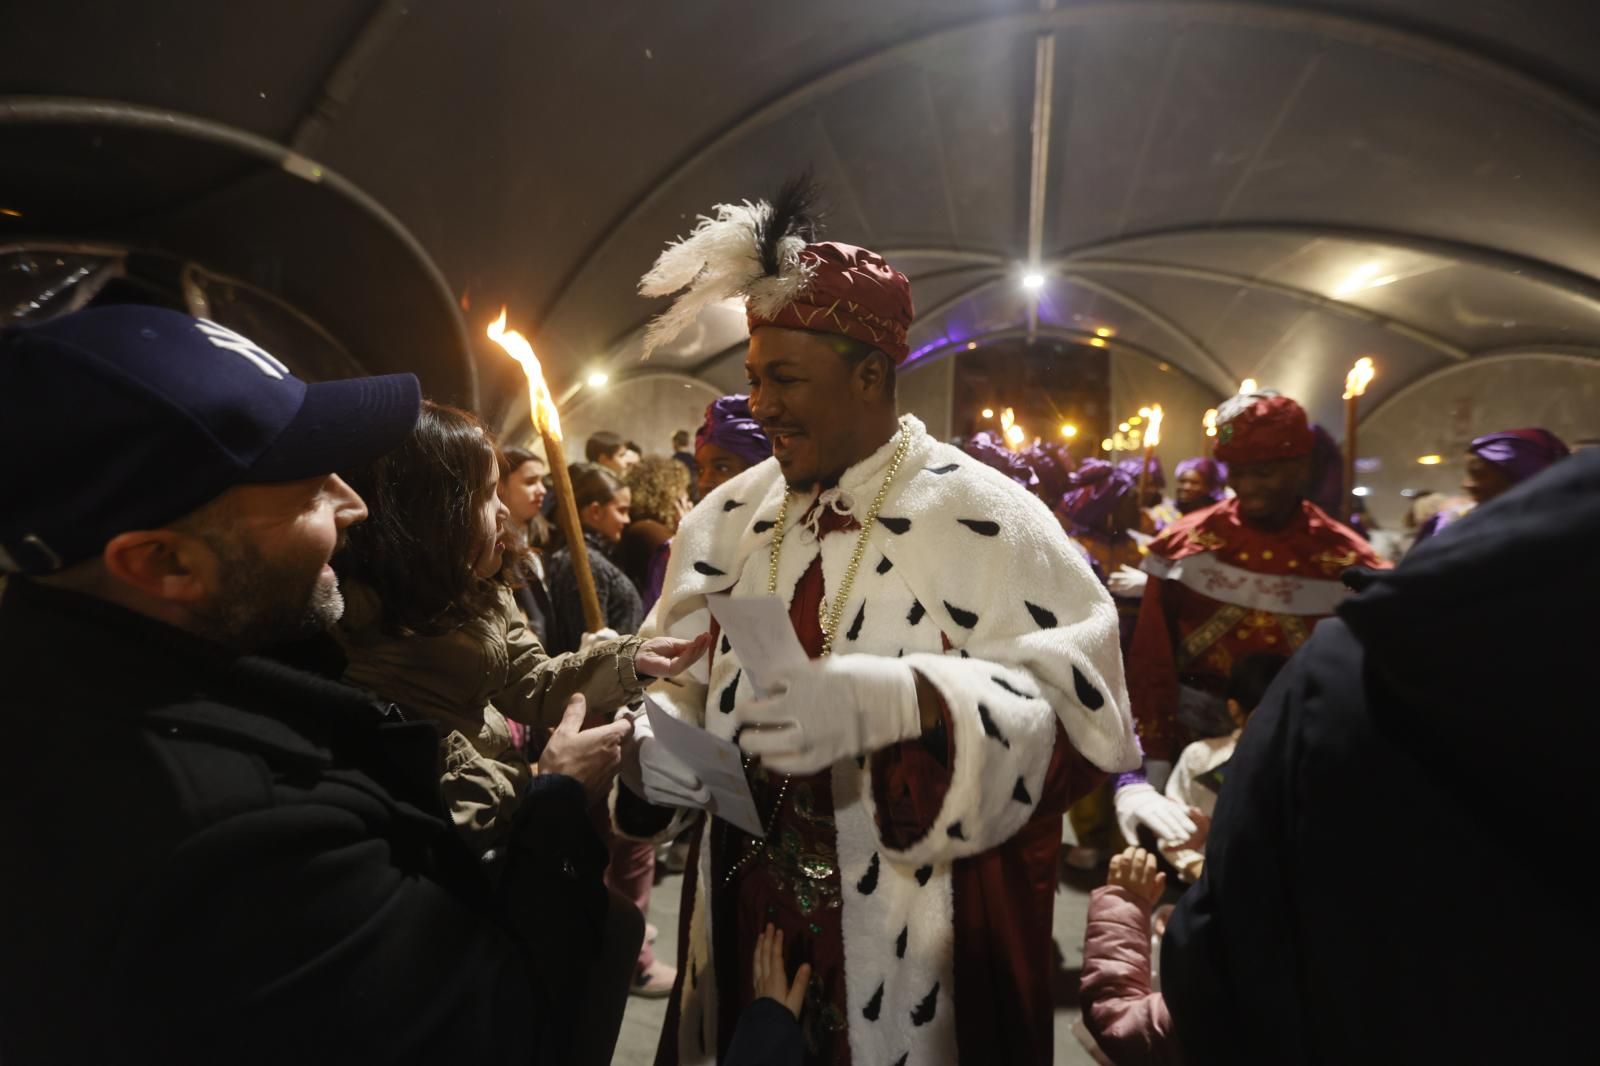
(359, 771)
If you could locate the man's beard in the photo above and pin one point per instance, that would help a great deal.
(264, 602)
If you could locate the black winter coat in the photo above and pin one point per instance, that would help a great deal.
(211, 857)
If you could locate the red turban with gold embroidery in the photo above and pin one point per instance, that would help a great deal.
(1259, 428)
(852, 292)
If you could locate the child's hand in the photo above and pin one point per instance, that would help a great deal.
(770, 979)
(669, 656)
(1135, 870)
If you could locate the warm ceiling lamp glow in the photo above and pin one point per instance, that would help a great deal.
(10, 212)
(1136, 420)
(1033, 281)
(1069, 430)
(1144, 412)
(1105, 445)
(972, 346)
(1247, 386)
(1360, 490)
(1359, 278)
(1097, 342)
(1430, 460)
(598, 378)
(1124, 427)
(988, 412)
(1105, 331)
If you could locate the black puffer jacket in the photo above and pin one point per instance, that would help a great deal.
(1393, 871)
(218, 858)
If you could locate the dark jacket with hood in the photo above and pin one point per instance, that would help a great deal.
(1392, 873)
(219, 858)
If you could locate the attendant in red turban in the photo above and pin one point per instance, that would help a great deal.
(1253, 573)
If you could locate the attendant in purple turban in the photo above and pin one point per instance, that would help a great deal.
(728, 443)
(1497, 463)
(1099, 511)
(1052, 468)
(992, 452)
(1158, 513)
(1201, 482)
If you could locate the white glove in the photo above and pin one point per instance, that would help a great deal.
(653, 772)
(599, 636)
(835, 708)
(1139, 804)
(1127, 583)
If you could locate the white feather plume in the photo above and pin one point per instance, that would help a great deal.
(1234, 406)
(721, 258)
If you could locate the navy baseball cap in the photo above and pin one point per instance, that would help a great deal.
(129, 417)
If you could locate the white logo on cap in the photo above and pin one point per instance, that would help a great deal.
(223, 337)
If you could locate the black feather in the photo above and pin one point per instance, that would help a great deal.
(794, 214)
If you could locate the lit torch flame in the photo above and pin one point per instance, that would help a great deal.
(1360, 376)
(541, 405)
(1008, 426)
(1152, 432)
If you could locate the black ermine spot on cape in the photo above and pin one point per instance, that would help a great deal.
(923, 873)
(1088, 695)
(869, 880)
(981, 526)
(895, 525)
(861, 762)
(925, 1010)
(900, 942)
(948, 468)
(709, 570)
(1042, 618)
(955, 832)
(725, 704)
(965, 654)
(990, 728)
(901, 1061)
(726, 647)
(1014, 690)
(964, 619)
(874, 1005)
(732, 505)
(763, 525)
(1020, 793)
(885, 565)
(914, 615)
(855, 627)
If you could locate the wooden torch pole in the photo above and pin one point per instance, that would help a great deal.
(1355, 383)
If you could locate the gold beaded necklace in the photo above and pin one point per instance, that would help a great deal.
(829, 613)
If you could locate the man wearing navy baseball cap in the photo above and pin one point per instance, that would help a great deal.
(214, 853)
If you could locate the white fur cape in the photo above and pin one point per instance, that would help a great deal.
(961, 551)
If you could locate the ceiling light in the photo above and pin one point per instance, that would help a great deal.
(1105, 331)
(1360, 490)
(1124, 427)
(1069, 430)
(1247, 386)
(1144, 412)
(10, 212)
(598, 378)
(1097, 342)
(1033, 280)
(1430, 460)
(1135, 420)
(1358, 279)
(972, 346)
(988, 412)
(1105, 445)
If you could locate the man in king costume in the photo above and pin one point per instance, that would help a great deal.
(1253, 573)
(963, 687)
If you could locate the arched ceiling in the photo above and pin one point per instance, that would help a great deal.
(1243, 188)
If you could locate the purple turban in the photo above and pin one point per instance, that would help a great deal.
(1215, 473)
(1097, 489)
(1130, 466)
(1051, 466)
(1520, 453)
(730, 426)
(987, 448)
